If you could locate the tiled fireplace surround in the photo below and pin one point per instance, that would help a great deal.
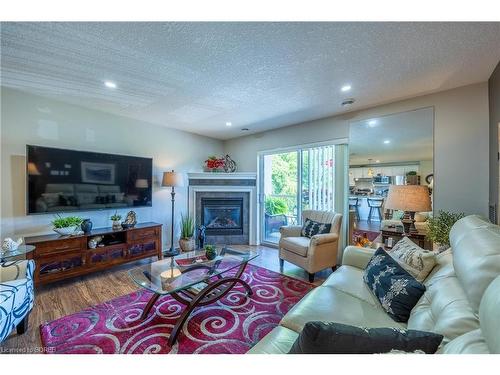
(220, 186)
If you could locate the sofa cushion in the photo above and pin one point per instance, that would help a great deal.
(415, 260)
(51, 199)
(332, 305)
(335, 338)
(86, 188)
(311, 228)
(349, 280)
(397, 291)
(471, 342)
(297, 245)
(278, 341)
(444, 307)
(476, 255)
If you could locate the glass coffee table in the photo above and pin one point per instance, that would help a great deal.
(193, 280)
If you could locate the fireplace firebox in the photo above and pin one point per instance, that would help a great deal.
(222, 216)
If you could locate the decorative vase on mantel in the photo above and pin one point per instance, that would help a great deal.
(117, 225)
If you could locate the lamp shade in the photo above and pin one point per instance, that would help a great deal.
(33, 170)
(172, 179)
(412, 198)
(141, 183)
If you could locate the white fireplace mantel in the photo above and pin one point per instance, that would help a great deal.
(223, 176)
(193, 189)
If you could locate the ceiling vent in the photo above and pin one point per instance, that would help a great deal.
(348, 102)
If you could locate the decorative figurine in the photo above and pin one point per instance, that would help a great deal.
(201, 236)
(229, 164)
(130, 220)
(10, 245)
(94, 241)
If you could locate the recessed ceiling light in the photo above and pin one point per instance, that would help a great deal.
(377, 161)
(387, 141)
(110, 85)
(229, 123)
(345, 88)
(372, 123)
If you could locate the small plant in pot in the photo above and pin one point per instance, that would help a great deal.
(66, 226)
(210, 252)
(440, 227)
(187, 242)
(115, 218)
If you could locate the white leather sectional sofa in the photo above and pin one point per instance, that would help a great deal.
(462, 300)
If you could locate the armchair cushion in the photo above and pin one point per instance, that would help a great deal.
(290, 231)
(297, 245)
(311, 228)
(319, 239)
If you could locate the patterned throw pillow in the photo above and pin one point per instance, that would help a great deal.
(311, 227)
(417, 261)
(397, 290)
(336, 338)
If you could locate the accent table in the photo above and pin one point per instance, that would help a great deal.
(192, 280)
(397, 235)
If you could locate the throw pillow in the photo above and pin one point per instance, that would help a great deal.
(336, 338)
(397, 291)
(311, 227)
(417, 261)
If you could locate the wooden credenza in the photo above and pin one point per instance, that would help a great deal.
(62, 257)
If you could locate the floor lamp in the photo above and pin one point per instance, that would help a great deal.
(172, 179)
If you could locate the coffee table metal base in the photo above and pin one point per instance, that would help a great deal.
(214, 291)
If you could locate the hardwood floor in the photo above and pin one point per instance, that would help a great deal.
(67, 297)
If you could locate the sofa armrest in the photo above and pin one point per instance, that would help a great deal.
(290, 231)
(21, 269)
(320, 239)
(357, 256)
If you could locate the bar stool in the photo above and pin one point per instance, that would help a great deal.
(354, 204)
(375, 206)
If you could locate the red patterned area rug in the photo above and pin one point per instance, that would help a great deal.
(231, 325)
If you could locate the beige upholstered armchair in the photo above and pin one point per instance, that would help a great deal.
(312, 254)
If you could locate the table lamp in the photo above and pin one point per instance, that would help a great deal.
(411, 199)
(172, 179)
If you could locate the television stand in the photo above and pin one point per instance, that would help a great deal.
(63, 257)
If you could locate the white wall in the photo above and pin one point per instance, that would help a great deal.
(460, 143)
(29, 119)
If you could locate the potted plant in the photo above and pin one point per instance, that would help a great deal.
(210, 252)
(66, 226)
(115, 218)
(439, 229)
(186, 242)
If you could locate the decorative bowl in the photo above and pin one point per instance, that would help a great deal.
(127, 225)
(66, 231)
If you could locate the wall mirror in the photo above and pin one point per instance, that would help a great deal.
(391, 178)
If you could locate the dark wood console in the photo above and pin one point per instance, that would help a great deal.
(62, 257)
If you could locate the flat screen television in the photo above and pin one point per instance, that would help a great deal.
(65, 180)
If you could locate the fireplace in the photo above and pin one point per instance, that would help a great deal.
(222, 216)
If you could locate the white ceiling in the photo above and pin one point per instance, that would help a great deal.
(410, 136)
(198, 76)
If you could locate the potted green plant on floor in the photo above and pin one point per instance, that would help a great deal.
(66, 226)
(115, 218)
(440, 227)
(187, 242)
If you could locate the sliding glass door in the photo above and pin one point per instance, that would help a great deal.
(293, 181)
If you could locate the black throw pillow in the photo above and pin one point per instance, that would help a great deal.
(311, 227)
(336, 338)
(397, 291)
